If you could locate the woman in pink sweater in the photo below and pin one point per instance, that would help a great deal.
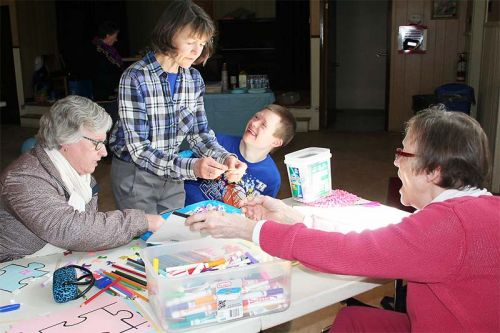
(448, 250)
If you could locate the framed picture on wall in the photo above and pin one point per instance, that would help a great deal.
(444, 9)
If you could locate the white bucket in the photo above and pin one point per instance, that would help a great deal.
(309, 173)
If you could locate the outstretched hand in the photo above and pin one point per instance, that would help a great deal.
(221, 225)
(267, 208)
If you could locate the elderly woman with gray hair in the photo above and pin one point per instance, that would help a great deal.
(48, 198)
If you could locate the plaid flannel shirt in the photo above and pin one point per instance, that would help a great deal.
(152, 123)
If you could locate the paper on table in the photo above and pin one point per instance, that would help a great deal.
(173, 230)
(352, 218)
(104, 314)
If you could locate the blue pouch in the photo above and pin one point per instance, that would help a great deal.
(65, 283)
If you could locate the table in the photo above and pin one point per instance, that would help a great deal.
(311, 290)
(229, 113)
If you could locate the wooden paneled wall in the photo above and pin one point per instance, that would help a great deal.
(488, 101)
(415, 74)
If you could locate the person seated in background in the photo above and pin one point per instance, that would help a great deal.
(269, 129)
(108, 64)
(48, 198)
(448, 251)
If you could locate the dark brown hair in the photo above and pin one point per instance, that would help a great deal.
(453, 142)
(177, 15)
(288, 125)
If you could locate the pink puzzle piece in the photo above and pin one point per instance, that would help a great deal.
(104, 314)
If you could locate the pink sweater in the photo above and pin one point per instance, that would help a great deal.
(449, 253)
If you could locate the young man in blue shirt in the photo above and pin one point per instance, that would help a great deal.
(269, 129)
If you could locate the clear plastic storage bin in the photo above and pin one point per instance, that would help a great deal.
(189, 292)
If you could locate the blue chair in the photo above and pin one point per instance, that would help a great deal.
(456, 96)
(28, 144)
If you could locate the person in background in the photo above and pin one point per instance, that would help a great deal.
(160, 106)
(269, 129)
(108, 64)
(48, 197)
(448, 251)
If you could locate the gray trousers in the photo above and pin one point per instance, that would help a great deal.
(139, 189)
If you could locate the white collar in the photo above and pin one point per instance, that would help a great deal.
(454, 193)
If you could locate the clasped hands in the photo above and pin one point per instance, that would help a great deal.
(208, 168)
(225, 225)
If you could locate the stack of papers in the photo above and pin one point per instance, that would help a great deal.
(352, 218)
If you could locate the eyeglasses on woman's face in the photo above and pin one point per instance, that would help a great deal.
(98, 143)
(401, 153)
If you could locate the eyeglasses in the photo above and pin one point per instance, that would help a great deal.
(98, 144)
(400, 152)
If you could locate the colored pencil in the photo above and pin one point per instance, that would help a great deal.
(133, 278)
(134, 292)
(113, 275)
(129, 270)
(101, 291)
(135, 262)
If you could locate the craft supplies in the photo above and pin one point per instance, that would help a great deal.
(208, 281)
(336, 198)
(309, 173)
(100, 292)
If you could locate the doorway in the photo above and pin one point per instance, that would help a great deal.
(357, 43)
(9, 106)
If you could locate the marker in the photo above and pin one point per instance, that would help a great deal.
(10, 307)
(188, 297)
(156, 265)
(263, 293)
(217, 262)
(251, 258)
(180, 214)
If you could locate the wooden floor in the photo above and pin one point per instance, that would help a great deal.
(362, 163)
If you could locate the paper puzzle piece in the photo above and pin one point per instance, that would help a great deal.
(105, 314)
(13, 275)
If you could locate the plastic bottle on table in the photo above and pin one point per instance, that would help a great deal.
(224, 78)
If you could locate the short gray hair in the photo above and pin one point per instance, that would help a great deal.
(66, 118)
(453, 142)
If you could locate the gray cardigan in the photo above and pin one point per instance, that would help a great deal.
(34, 211)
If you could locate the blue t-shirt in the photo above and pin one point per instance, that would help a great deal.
(261, 178)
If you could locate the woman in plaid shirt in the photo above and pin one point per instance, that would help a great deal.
(160, 105)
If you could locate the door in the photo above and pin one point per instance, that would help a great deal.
(9, 107)
(357, 64)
